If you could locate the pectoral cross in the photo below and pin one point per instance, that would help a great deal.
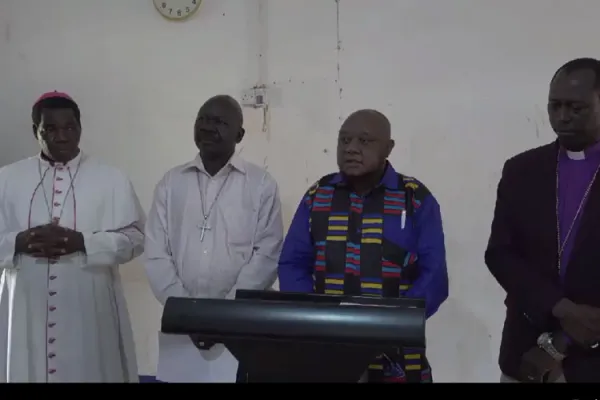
(204, 227)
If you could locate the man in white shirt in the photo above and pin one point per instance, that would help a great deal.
(67, 222)
(215, 224)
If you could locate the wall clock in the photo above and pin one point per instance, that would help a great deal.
(177, 9)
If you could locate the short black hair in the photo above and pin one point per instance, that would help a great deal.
(376, 116)
(229, 102)
(579, 64)
(54, 103)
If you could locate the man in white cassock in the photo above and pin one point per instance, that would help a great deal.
(215, 225)
(67, 222)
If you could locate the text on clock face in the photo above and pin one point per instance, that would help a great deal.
(178, 12)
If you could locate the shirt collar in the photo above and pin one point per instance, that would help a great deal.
(73, 163)
(389, 180)
(235, 162)
(591, 151)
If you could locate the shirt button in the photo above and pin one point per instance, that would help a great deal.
(205, 251)
(51, 324)
(53, 277)
(51, 340)
(51, 371)
(56, 204)
(52, 293)
(52, 308)
(51, 355)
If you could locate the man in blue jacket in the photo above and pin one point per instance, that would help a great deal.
(369, 231)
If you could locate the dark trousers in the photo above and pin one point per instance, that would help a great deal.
(374, 377)
(242, 376)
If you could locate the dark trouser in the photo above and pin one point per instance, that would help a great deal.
(404, 365)
(242, 376)
(373, 376)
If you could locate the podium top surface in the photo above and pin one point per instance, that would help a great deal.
(271, 295)
(295, 317)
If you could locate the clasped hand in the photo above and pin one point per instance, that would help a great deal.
(580, 322)
(49, 241)
(539, 366)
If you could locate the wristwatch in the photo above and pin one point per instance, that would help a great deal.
(544, 342)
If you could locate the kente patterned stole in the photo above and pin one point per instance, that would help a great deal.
(353, 256)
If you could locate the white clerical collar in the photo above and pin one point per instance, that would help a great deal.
(592, 151)
(576, 155)
(73, 163)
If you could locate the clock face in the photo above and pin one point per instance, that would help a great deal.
(177, 9)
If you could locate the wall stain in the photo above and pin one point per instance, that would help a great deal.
(266, 121)
(541, 114)
(263, 66)
(306, 178)
(338, 54)
(535, 124)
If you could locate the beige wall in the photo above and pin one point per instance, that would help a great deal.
(463, 82)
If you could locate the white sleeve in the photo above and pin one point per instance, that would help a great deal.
(7, 248)
(158, 259)
(124, 241)
(7, 237)
(261, 271)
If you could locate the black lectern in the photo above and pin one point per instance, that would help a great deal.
(297, 337)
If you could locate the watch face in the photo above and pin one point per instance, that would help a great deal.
(543, 340)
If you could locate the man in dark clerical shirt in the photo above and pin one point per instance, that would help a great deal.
(368, 230)
(544, 247)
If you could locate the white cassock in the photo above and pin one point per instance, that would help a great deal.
(236, 247)
(69, 319)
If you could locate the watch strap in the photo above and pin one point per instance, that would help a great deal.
(545, 343)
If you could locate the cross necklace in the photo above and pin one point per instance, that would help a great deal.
(205, 214)
(562, 244)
